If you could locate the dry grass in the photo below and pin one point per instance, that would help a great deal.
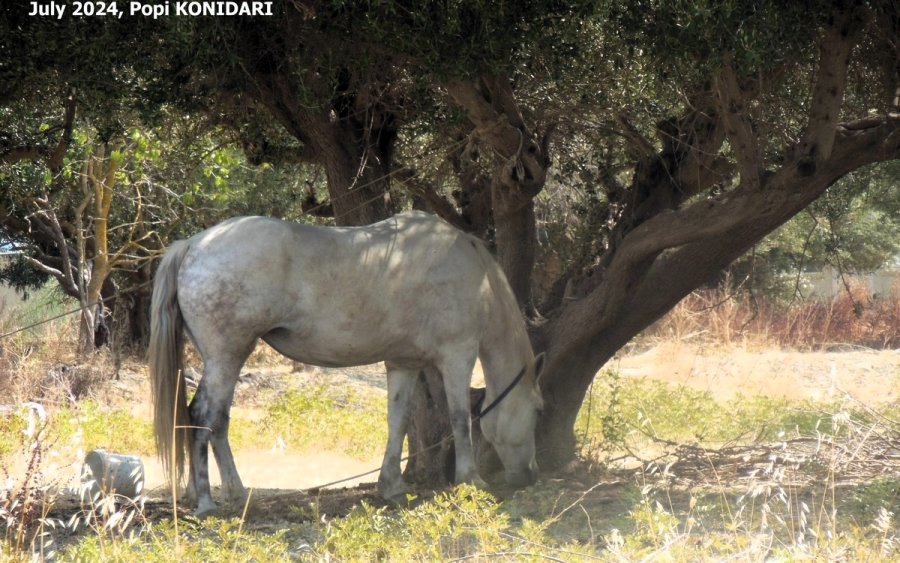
(849, 319)
(43, 364)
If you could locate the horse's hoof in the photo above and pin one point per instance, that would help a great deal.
(187, 499)
(205, 509)
(394, 492)
(396, 496)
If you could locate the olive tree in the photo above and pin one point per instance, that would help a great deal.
(682, 131)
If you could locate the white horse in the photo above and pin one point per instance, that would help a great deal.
(411, 291)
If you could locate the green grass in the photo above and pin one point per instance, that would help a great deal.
(210, 540)
(310, 419)
(115, 430)
(467, 523)
(354, 423)
(455, 524)
(627, 411)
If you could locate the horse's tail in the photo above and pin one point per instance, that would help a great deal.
(166, 355)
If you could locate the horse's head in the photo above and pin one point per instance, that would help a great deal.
(509, 426)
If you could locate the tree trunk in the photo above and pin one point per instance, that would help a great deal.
(432, 460)
(92, 307)
(516, 238)
(136, 333)
(129, 314)
(358, 186)
(519, 174)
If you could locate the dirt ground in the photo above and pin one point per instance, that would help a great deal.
(868, 376)
(281, 479)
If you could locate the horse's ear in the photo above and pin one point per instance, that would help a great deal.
(538, 366)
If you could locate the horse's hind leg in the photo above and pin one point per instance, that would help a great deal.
(210, 416)
(400, 385)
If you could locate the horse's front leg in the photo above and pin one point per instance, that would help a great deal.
(457, 376)
(400, 385)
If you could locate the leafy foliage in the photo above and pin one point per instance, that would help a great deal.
(690, 36)
(854, 227)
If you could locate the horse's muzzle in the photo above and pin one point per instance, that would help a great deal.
(521, 479)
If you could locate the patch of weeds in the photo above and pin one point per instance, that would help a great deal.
(462, 523)
(366, 529)
(766, 418)
(867, 501)
(667, 525)
(619, 411)
(96, 426)
(314, 417)
(11, 427)
(26, 499)
(654, 527)
(209, 540)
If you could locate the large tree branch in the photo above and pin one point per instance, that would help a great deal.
(634, 293)
(787, 192)
(738, 127)
(498, 122)
(501, 91)
(721, 229)
(694, 152)
(688, 164)
(46, 219)
(438, 204)
(828, 94)
(641, 146)
(518, 176)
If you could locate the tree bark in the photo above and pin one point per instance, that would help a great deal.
(519, 174)
(516, 239)
(358, 177)
(432, 460)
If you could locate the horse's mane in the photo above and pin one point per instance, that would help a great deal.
(505, 308)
